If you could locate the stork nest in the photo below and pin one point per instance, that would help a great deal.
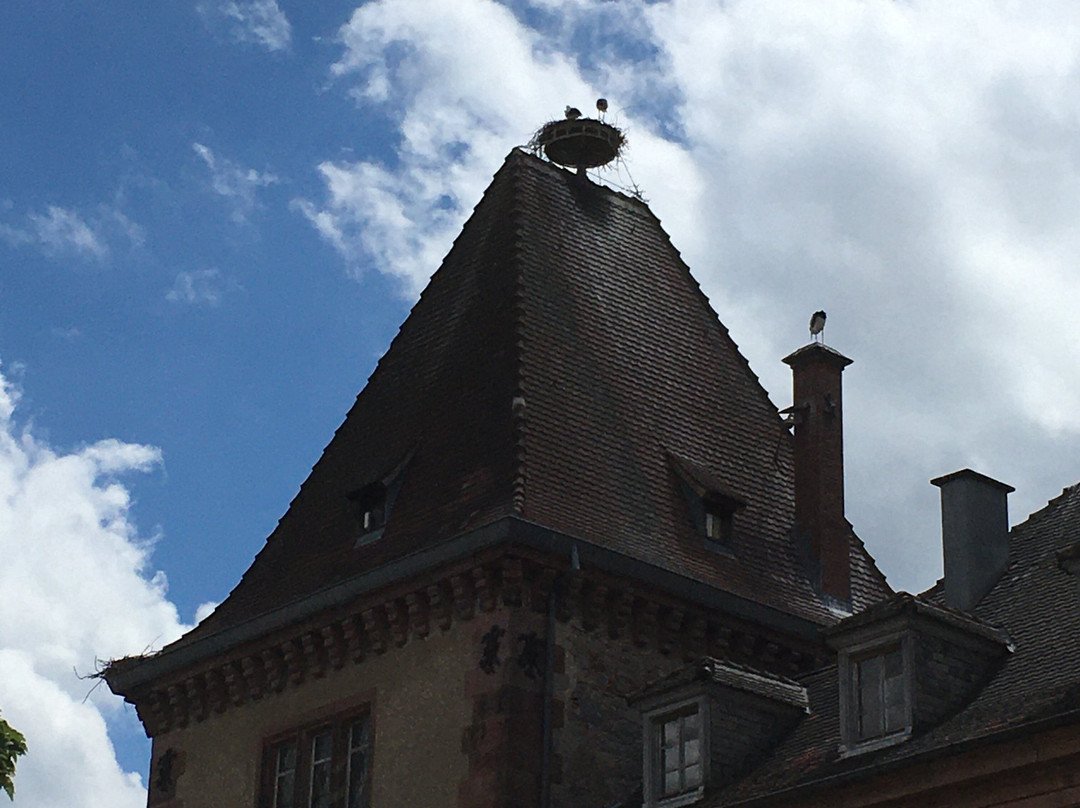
(578, 143)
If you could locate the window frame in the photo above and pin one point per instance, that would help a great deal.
(370, 507)
(372, 503)
(653, 722)
(851, 662)
(721, 516)
(340, 761)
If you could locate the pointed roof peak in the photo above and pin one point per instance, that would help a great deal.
(556, 360)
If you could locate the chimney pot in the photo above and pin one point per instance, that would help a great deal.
(974, 534)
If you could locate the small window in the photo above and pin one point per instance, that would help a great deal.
(878, 688)
(309, 767)
(710, 505)
(369, 505)
(676, 755)
(717, 523)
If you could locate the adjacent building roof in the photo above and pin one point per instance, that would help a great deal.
(556, 361)
(1036, 603)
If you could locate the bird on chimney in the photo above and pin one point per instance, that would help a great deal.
(572, 113)
(817, 325)
(601, 105)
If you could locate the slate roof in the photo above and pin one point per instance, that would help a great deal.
(1035, 602)
(557, 359)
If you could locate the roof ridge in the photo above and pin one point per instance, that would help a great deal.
(519, 419)
(1049, 509)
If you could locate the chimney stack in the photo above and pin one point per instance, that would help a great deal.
(819, 464)
(974, 534)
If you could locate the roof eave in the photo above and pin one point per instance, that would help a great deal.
(129, 675)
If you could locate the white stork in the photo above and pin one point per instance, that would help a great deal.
(817, 325)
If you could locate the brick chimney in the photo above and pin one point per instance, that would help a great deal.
(819, 464)
(974, 534)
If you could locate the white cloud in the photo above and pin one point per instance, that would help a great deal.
(62, 233)
(66, 529)
(235, 183)
(61, 230)
(459, 111)
(910, 167)
(204, 610)
(202, 286)
(257, 22)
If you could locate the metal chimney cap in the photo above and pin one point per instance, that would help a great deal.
(974, 476)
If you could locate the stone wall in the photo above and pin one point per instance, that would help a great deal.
(599, 742)
(419, 709)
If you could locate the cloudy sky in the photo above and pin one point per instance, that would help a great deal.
(214, 215)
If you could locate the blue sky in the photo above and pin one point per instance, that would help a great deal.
(214, 214)
(265, 339)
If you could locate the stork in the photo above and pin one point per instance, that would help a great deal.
(817, 325)
(572, 113)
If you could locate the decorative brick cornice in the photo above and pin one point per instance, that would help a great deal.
(515, 578)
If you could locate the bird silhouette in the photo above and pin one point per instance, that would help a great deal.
(817, 325)
(572, 113)
(601, 105)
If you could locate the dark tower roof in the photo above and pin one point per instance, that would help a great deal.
(562, 368)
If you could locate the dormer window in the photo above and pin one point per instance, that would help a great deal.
(373, 512)
(679, 743)
(369, 508)
(879, 694)
(875, 693)
(718, 521)
(677, 756)
(710, 506)
(905, 664)
(371, 504)
(687, 722)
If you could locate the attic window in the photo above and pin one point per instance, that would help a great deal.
(718, 522)
(710, 505)
(875, 695)
(905, 662)
(708, 724)
(878, 687)
(369, 506)
(675, 741)
(372, 504)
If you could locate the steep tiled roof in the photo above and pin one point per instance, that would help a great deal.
(1035, 603)
(557, 359)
